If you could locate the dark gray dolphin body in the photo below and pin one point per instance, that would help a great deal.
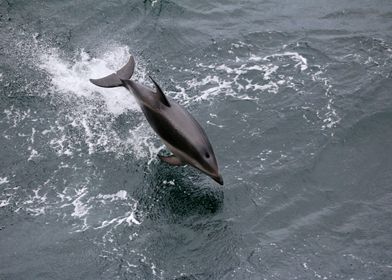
(180, 132)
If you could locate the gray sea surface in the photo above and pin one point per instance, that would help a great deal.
(295, 96)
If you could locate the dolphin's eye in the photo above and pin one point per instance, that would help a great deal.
(207, 155)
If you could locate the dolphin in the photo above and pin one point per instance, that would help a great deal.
(179, 131)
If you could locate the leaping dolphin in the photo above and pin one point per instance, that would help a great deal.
(180, 132)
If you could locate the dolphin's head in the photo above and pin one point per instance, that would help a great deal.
(207, 163)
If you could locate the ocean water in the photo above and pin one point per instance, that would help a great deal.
(296, 97)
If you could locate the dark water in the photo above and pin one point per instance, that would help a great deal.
(296, 97)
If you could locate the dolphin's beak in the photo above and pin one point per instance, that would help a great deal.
(218, 179)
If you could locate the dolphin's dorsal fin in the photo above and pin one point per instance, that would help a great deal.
(160, 93)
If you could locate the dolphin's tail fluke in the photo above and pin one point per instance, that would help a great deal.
(114, 80)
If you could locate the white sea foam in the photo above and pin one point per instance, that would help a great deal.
(15, 116)
(302, 62)
(80, 208)
(328, 113)
(120, 195)
(34, 154)
(5, 197)
(236, 83)
(128, 217)
(4, 202)
(79, 205)
(3, 180)
(35, 204)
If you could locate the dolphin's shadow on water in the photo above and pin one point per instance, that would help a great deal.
(176, 193)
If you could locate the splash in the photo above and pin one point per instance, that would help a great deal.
(92, 110)
(73, 77)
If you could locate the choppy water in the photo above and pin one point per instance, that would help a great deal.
(296, 97)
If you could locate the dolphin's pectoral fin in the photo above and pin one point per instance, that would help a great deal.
(160, 93)
(115, 79)
(172, 160)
